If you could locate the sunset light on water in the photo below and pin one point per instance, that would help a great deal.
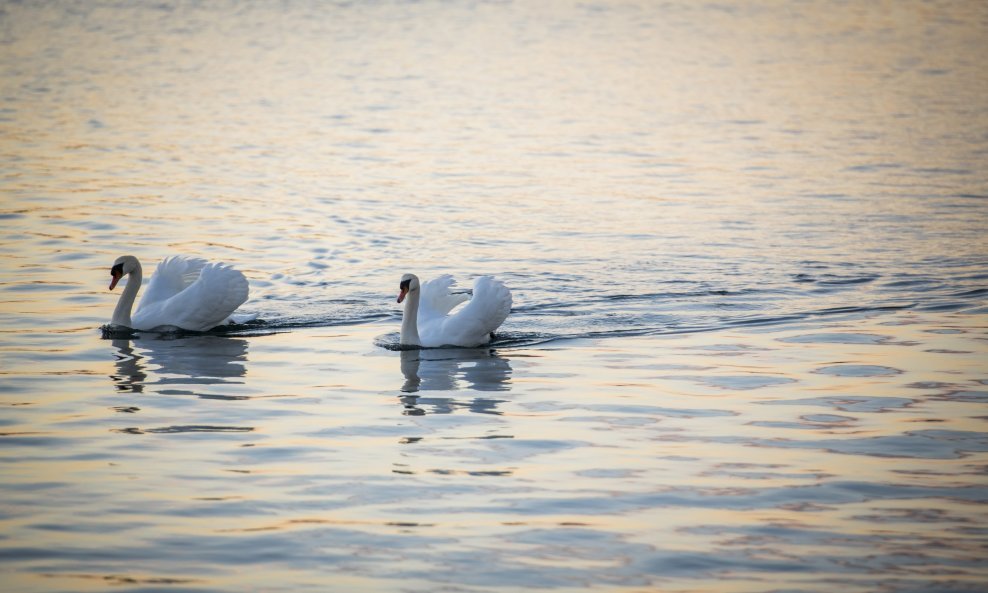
(745, 244)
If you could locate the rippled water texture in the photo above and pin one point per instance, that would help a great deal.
(747, 246)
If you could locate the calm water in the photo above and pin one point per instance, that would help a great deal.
(747, 245)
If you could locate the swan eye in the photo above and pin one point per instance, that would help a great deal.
(404, 284)
(117, 270)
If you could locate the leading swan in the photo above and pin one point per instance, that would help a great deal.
(185, 292)
(426, 320)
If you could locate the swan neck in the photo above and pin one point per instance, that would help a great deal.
(409, 321)
(121, 315)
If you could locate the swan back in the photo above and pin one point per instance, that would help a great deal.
(200, 305)
(472, 324)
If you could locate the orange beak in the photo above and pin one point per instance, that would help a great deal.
(401, 295)
(116, 278)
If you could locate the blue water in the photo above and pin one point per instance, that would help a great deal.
(747, 248)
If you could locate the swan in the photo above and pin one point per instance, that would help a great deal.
(426, 320)
(185, 292)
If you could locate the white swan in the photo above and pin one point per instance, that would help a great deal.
(185, 292)
(426, 320)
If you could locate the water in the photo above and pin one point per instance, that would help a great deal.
(747, 249)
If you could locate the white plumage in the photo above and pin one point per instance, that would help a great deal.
(185, 292)
(429, 320)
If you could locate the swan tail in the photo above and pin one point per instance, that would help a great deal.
(238, 318)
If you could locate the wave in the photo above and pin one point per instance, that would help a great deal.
(542, 316)
(521, 339)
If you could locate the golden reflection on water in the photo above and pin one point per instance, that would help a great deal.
(616, 419)
(595, 154)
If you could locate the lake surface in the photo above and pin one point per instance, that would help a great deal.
(747, 247)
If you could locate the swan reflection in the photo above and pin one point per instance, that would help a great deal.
(130, 373)
(196, 359)
(452, 369)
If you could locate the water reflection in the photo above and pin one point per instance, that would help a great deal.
(130, 373)
(447, 369)
(197, 359)
(478, 369)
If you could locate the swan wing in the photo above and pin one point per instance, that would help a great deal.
(473, 323)
(174, 274)
(437, 300)
(205, 303)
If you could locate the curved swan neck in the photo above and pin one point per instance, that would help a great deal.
(409, 321)
(121, 315)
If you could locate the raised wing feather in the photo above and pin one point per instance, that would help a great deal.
(437, 300)
(174, 274)
(205, 303)
(490, 305)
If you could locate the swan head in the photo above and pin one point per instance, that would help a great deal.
(124, 265)
(409, 283)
